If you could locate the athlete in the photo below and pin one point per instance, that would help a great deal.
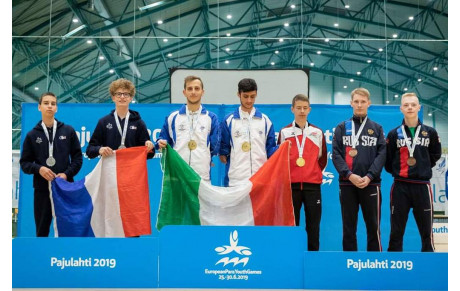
(247, 137)
(192, 131)
(413, 148)
(308, 158)
(359, 155)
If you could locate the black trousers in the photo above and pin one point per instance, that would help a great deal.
(370, 200)
(42, 212)
(405, 196)
(310, 196)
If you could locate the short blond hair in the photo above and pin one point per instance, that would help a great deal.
(124, 84)
(410, 94)
(361, 91)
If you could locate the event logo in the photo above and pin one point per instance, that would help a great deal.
(328, 177)
(441, 166)
(38, 140)
(234, 248)
(109, 125)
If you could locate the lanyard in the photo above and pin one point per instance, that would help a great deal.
(300, 147)
(411, 145)
(354, 138)
(247, 116)
(125, 127)
(192, 120)
(50, 141)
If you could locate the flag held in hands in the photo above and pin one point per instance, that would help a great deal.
(111, 201)
(265, 199)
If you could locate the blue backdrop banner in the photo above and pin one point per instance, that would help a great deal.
(84, 117)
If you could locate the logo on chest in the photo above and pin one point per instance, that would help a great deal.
(181, 127)
(109, 126)
(424, 142)
(367, 141)
(38, 140)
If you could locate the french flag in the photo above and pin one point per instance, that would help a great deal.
(111, 201)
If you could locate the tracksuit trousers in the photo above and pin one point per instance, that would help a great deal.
(310, 196)
(404, 196)
(370, 200)
(42, 212)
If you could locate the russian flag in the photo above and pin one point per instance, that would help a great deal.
(111, 201)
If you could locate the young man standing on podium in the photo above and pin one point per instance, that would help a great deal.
(412, 150)
(308, 158)
(247, 137)
(51, 149)
(121, 128)
(192, 131)
(359, 155)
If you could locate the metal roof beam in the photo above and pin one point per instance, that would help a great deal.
(47, 71)
(89, 31)
(127, 54)
(205, 13)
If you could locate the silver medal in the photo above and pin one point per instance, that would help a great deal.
(121, 147)
(50, 161)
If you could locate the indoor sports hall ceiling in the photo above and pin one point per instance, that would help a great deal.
(76, 48)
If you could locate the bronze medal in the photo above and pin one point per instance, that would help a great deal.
(192, 145)
(300, 162)
(353, 152)
(411, 161)
(246, 146)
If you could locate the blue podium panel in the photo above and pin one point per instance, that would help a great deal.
(375, 271)
(232, 257)
(85, 262)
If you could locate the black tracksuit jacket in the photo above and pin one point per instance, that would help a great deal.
(371, 151)
(106, 134)
(427, 152)
(66, 152)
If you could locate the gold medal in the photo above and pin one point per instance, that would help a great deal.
(300, 162)
(192, 145)
(411, 161)
(353, 152)
(246, 146)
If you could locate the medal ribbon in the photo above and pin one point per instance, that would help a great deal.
(354, 138)
(192, 121)
(50, 141)
(304, 138)
(249, 119)
(125, 127)
(410, 145)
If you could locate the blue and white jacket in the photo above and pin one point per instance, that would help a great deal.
(176, 131)
(242, 165)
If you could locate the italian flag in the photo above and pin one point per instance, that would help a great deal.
(265, 199)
